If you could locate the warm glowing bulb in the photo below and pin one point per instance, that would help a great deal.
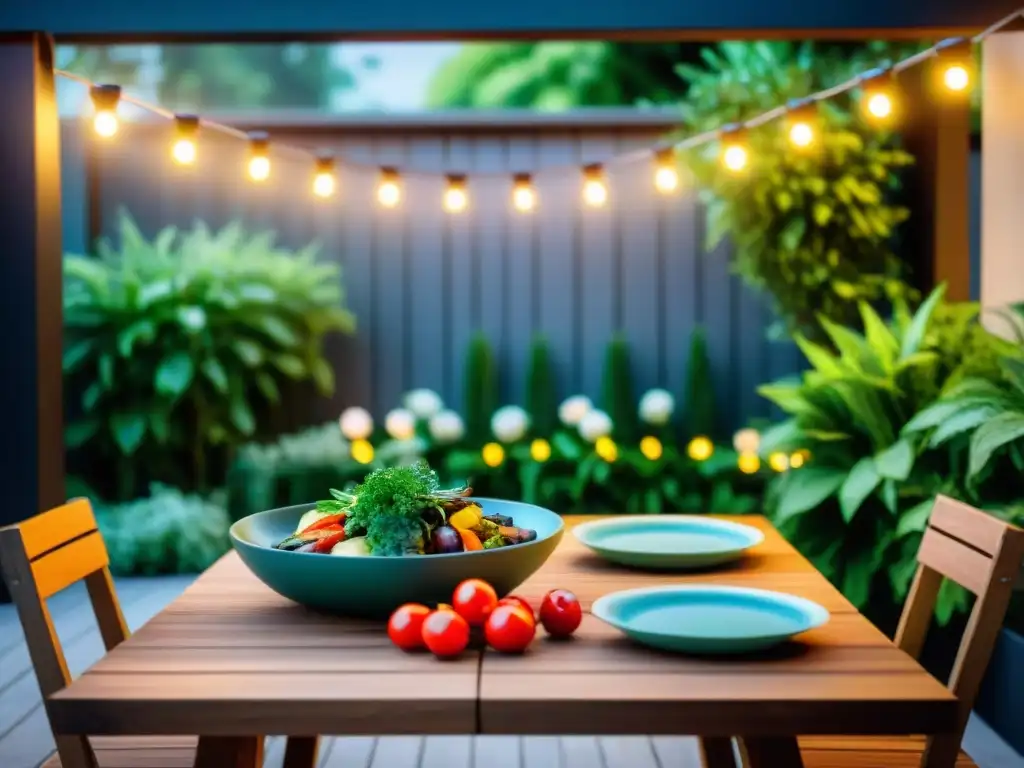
(735, 158)
(700, 449)
(650, 447)
(524, 198)
(540, 450)
(389, 193)
(879, 105)
(259, 168)
(956, 77)
(455, 199)
(605, 448)
(362, 451)
(324, 184)
(184, 151)
(801, 134)
(796, 460)
(666, 179)
(748, 463)
(595, 193)
(105, 123)
(779, 462)
(492, 454)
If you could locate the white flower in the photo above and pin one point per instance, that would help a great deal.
(595, 424)
(356, 423)
(510, 423)
(657, 406)
(423, 403)
(447, 427)
(573, 409)
(400, 424)
(747, 441)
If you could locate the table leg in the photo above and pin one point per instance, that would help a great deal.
(771, 752)
(229, 752)
(717, 752)
(301, 752)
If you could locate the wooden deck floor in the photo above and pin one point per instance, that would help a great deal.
(26, 740)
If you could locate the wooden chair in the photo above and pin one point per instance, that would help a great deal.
(982, 554)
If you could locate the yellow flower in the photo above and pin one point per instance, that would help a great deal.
(700, 449)
(493, 454)
(779, 462)
(650, 447)
(605, 448)
(540, 450)
(799, 458)
(748, 463)
(362, 451)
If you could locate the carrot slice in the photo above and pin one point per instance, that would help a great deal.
(325, 522)
(470, 540)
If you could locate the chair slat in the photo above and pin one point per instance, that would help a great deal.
(55, 528)
(63, 567)
(962, 521)
(955, 560)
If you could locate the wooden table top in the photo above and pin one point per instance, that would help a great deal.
(230, 657)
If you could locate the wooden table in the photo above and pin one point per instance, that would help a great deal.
(230, 661)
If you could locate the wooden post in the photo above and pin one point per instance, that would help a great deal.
(32, 464)
(938, 135)
(1002, 173)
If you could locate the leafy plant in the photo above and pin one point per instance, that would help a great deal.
(541, 400)
(166, 532)
(858, 508)
(699, 389)
(480, 393)
(617, 390)
(175, 345)
(815, 228)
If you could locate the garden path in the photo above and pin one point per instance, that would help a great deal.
(26, 741)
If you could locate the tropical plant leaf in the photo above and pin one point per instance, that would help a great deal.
(896, 461)
(994, 434)
(914, 335)
(860, 483)
(174, 374)
(805, 490)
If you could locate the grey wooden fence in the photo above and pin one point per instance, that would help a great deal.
(420, 281)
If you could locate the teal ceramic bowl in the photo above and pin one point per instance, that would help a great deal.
(372, 587)
(708, 619)
(668, 542)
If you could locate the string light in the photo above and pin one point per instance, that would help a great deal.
(105, 99)
(801, 123)
(324, 182)
(878, 97)
(748, 463)
(651, 448)
(492, 454)
(778, 461)
(184, 149)
(955, 63)
(259, 161)
(700, 448)
(734, 151)
(666, 175)
(540, 450)
(524, 197)
(595, 191)
(389, 190)
(456, 198)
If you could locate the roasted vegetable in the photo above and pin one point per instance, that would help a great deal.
(446, 540)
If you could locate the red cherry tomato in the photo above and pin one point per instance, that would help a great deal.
(445, 633)
(509, 629)
(516, 600)
(560, 613)
(474, 600)
(405, 627)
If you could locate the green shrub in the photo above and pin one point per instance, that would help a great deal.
(179, 344)
(699, 389)
(166, 532)
(813, 229)
(480, 391)
(617, 398)
(541, 398)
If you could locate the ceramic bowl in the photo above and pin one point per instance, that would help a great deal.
(372, 587)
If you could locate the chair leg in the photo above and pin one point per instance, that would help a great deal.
(941, 751)
(717, 752)
(229, 752)
(301, 752)
(75, 752)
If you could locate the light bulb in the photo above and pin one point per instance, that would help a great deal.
(323, 184)
(524, 198)
(389, 193)
(105, 123)
(879, 105)
(259, 168)
(801, 134)
(666, 179)
(956, 77)
(595, 191)
(734, 158)
(184, 152)
(455, 197)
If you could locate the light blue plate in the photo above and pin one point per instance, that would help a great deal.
(668, 541)
(708, 619)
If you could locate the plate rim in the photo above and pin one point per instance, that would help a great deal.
(817, 614)
(580, 532)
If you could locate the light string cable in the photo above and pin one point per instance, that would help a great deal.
(687, 143)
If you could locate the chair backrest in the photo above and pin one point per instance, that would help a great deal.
(982, 554)
(48, 553)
